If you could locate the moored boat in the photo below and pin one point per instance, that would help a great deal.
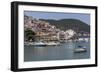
(80, 49)
(39, 44)
(52, 43)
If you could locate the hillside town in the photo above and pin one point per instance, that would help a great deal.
(37, 30)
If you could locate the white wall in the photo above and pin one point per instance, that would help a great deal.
(5, 35)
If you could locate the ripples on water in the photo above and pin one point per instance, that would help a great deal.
(61, 52)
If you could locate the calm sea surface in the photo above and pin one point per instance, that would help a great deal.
(65, 51)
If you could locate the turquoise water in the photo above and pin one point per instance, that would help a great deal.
(65, 51)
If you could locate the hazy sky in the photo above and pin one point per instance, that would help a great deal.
(59, 15)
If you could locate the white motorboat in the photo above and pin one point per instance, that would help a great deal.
(80, 49)
(52, 43)
(39, 44)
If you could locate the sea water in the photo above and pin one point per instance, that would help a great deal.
(64, 51)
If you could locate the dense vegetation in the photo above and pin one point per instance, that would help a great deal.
(74, 24)
(29, 34)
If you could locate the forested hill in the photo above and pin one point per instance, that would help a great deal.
(65, 24)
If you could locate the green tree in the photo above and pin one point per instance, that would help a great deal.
(29, 34)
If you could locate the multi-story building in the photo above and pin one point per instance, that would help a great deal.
(46, 32)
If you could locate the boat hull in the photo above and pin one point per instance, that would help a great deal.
(79, 50)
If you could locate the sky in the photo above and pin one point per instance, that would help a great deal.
(59, 15)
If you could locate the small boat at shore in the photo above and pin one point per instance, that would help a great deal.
(80, 49)
(39, 44)
(52, 43)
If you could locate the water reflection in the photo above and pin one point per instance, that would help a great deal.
(61, 52)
